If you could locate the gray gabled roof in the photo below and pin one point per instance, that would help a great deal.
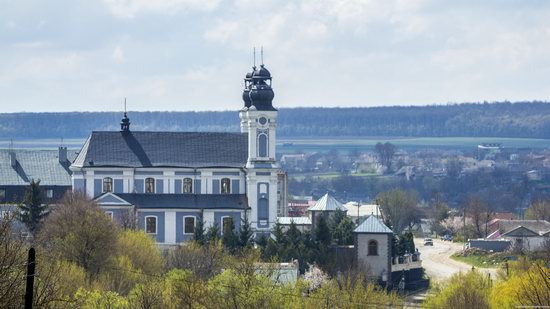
(373, 225)
(327, 203)
(34, 164)
(177, 201)
(521, 231)
(163, 149)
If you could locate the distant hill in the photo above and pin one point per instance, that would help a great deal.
(505, 119)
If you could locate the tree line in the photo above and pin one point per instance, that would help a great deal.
(499, 119)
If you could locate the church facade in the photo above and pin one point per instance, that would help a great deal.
(166, 181)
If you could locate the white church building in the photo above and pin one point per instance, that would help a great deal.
(169, 180)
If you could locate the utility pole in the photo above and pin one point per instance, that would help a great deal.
(31, 265)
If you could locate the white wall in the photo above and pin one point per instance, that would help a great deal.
(374, 264)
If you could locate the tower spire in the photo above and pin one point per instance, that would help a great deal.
(262, 54)
(125, 122)
(254, 57)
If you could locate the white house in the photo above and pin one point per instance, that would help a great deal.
(171, 179)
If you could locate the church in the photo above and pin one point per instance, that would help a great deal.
(164, 182)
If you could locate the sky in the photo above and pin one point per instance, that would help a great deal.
(182, 55)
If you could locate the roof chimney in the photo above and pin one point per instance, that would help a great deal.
(62, 156)
(13, 159)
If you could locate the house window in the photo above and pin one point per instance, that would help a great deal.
(149, 185)
(151, 224)
(226, 186)
(373, 247)
(49, 193)
(188, 185)
(2, 194)
(107, 184)
(188, 225)
(227, 224)
(109, 214)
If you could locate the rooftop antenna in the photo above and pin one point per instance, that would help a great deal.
(254, 56)
(11, 144)
(262, 54)
(124, 106)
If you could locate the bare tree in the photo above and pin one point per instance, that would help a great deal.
(12, 264)
(128, 219)
(80, 232)
(385, 153)
(480, 213)
(539, 210)
(399, 208)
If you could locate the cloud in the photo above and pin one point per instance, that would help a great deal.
(132, 8)
(118, 55)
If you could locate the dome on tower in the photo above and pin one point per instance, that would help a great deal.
(262, 72)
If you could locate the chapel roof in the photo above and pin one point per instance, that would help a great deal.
(373, 225)
(163, 149)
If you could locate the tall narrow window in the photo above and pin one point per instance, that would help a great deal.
(151, 225)
(188, 225)
(227, 224)
(263, 209)
(262, 145)
(150, 185)
(226, 186)
(188, 185)
(107, 184)
(373, 248)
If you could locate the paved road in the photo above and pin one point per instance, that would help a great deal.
(437, 262)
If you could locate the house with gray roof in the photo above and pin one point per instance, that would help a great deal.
(168, 181)
(19, 167)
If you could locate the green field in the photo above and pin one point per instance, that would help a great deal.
(351, 144)
(293, 145)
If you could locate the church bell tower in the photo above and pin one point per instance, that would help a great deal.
(259, 121)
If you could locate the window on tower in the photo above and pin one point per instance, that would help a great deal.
(262, 145)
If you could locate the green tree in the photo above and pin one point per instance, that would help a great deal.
(31, 212)
(245, 233)
(199, 232)
(230, 239)
(212, 233)
(462, 290)
(539, 210)
(322, 232)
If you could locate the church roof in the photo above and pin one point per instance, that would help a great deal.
(175, 201)
(163, 149)
(327, 203)
(34, 164)
(373, 225)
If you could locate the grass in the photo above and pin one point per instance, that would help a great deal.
(482, 261)
(348, 144)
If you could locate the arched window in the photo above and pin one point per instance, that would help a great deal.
(149, 185)
(151, 224)
(107, 184)
(262, 145)
(373, 247)
(226, 186)
(187, 185)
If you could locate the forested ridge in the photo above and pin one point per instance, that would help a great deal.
(502, 119)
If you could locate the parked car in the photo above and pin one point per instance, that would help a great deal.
(447, 237)
(428, 242)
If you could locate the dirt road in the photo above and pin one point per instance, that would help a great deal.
(438, 263)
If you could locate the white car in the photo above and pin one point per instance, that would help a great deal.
(428, 242)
